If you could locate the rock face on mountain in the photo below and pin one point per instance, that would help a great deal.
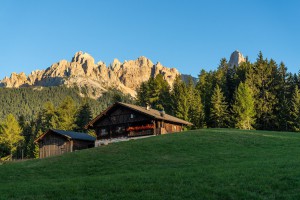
(132, 73)
(15, 80)
(96, 78)
(236, 59)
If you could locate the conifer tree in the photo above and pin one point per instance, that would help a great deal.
(66, 114)
(205, 88)
(283, 94)
(180, 101)
(163, 87)
(84, 116)
(35, 146)
(196, 112)
(261, 79)
(220, 74)
(48, 118)
(28, 134)
(142, 94)
(295, 110)
(243, 107)
(31, 145)
(156, 93)
(241, 72)
(218, 110)
(153, 92)
(10, 134)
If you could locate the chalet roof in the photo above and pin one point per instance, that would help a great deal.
(69, 134)
(156, 114)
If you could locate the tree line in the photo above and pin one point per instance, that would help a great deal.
(30, 101)
(261, 95)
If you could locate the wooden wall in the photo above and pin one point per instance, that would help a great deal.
(170, 128)
(163, 127)
(115, 123)
(52, 145)
(80, 144)
(121, 115)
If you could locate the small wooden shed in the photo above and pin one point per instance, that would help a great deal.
(56, 142)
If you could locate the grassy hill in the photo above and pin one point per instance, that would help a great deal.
(201, 164)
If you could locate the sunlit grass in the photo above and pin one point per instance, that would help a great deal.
(200, 164)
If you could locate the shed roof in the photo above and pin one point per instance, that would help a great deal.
(69, 134)
(156, 114)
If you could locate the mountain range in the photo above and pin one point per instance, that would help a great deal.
(96, 78)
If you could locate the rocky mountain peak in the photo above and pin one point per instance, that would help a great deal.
(15, 80)
(115, 64)
(84, 73)
(236, 59)
(142, 60)
(82, 58)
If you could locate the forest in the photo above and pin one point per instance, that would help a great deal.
(30, 101)
(262, 95)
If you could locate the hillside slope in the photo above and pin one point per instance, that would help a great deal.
(201, 164)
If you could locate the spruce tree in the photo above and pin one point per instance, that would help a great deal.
(156, 93)
(218, 110)
(220, 75)
(205, 88)
(10, 134)
(31, 145)
(35, 146)
(283, 93)
(261, 79)
(295, 110)
(84, 116)
(153, 92)
(241, 72)
(163, 100)
(142, 94)
(180, 102)
(196, 112)
(243, 107)
(28, 134)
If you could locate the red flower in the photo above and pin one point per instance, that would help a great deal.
(139, 128)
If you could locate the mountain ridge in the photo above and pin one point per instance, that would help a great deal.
(82, 71)
(96, 78)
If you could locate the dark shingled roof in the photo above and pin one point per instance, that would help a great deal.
(156, 114)
(74, 135)
(70, 135)
(151, 112)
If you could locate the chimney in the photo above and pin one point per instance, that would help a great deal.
(162, 113)
(147, 107)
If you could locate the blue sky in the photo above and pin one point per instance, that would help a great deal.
(186, 34)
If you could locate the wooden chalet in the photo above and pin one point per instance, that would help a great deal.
(56, 142)
(127, 120)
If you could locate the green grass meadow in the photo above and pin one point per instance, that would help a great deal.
(200, 164)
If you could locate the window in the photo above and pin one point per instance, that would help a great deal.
(131, 116)
(113, 118)
(103, 132)
(120, 129)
